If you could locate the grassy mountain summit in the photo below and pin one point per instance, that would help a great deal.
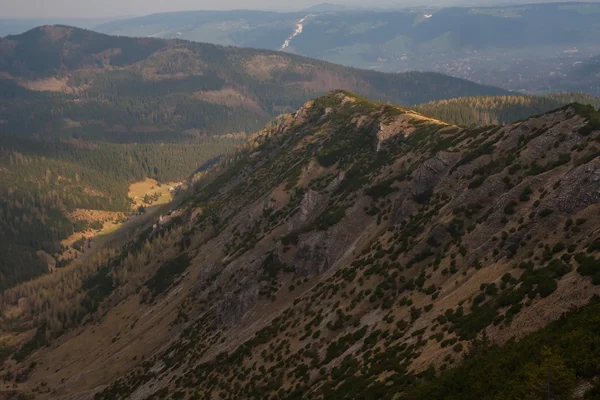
(351, 249)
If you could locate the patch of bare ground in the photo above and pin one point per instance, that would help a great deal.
(233, 135)
(323, 80)
(95, 215)
(280, 196)
(49, 84)
(263, 66)
(231, 98)
(69, 123)
(87, 358)
(80, 143)
(146, 129)
(170, 63)
(151, 189)
(56, 33)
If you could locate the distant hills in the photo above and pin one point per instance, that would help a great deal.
(173, 84)
(531, 48)
(519, 47)
(389, 33)
(327, 7)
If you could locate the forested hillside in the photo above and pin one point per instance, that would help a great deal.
(123, 83)
(493, 110)
(43, 182)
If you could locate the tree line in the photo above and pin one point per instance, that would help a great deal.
(495, 110)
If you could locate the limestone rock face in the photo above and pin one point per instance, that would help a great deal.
(311, 256)
(579, 189)
(426, 177)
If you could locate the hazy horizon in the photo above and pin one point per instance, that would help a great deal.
(86, 9)
(46, 9)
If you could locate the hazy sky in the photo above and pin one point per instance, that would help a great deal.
(110, 8)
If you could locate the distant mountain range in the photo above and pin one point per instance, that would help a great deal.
(327, 7)
(243, 87)
(531, 48)
(332, 29)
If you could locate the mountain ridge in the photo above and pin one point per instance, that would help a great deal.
(352, 248)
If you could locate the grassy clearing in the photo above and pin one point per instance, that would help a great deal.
(147, 189)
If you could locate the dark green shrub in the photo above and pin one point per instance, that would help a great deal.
(329, 218)
(525, 194)
(380, 190)
(510, 208)
(290, 238)
(167, 273)
(546, 286)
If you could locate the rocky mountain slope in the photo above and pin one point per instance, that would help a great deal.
(352, 250)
